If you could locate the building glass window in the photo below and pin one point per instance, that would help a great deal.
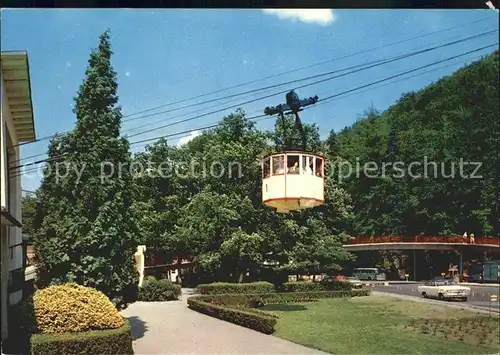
(278, 165)
(319, 167)
(266, 168)
(307, 165)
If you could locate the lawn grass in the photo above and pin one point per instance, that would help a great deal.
(382, 325)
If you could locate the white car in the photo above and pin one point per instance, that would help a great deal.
(444, 289)
(356, 283)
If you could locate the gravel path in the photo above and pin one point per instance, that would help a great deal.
(172, 328)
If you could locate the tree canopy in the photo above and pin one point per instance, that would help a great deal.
(446, 130)
(204, 199)
(214, 211)
(87, 233)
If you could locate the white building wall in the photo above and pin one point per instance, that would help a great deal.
(4, 230)
(5, 278)
(15, 234)
(10, 199)
(12, 188)
(3, 151)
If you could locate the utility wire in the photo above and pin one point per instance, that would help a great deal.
(308, 66)
(193, 130)
(259, 89)
(381, 61)
(327, 98)
(280, 74)
(411, 71)
(252, 91)
(186, 133)
(338, 94)
(208, 101)
(319, 103)
(317, 82)
(45, 153)
(213, 106)
(38, 162)
(185, 114)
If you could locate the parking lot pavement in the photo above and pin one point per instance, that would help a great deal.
(474, 284)
(457, 305)
(479, 297)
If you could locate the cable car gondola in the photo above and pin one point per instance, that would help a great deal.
(293, 179)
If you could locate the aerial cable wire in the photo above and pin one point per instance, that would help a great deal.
(308, 66)
(316, 82)
(319, 102)
(266, 88)
(382, 61)
(187, 133)
(280, 74)
(410, 71)
(252, 91)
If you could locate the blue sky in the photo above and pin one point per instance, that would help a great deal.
(162, 56)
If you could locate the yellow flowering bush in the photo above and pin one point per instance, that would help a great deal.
(73, 308)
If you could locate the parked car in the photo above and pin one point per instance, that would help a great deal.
(334, 278)
(444, 289)
(356, 283)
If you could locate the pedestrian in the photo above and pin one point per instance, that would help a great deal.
(294, 169)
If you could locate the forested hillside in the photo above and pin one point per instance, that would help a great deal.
(203, 199)
(455, 119)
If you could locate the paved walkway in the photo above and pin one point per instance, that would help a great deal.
(172, 328)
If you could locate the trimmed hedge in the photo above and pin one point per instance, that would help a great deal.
(304, 286)
(259, 321)
(153, 290)
(110, 341)
(241, 308)
(218, 288)
(261, 299)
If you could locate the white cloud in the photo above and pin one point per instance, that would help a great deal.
(68, 64)
(322, 17)
(189, 138)
(127, 73)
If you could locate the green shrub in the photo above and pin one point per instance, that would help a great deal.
(243, 288)
(261, 299)
(259, 321)
(153, 290)
(336, 285)
(69, 308)
(304, 286)
(240, 308)
(111, 341)
(301, 286)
